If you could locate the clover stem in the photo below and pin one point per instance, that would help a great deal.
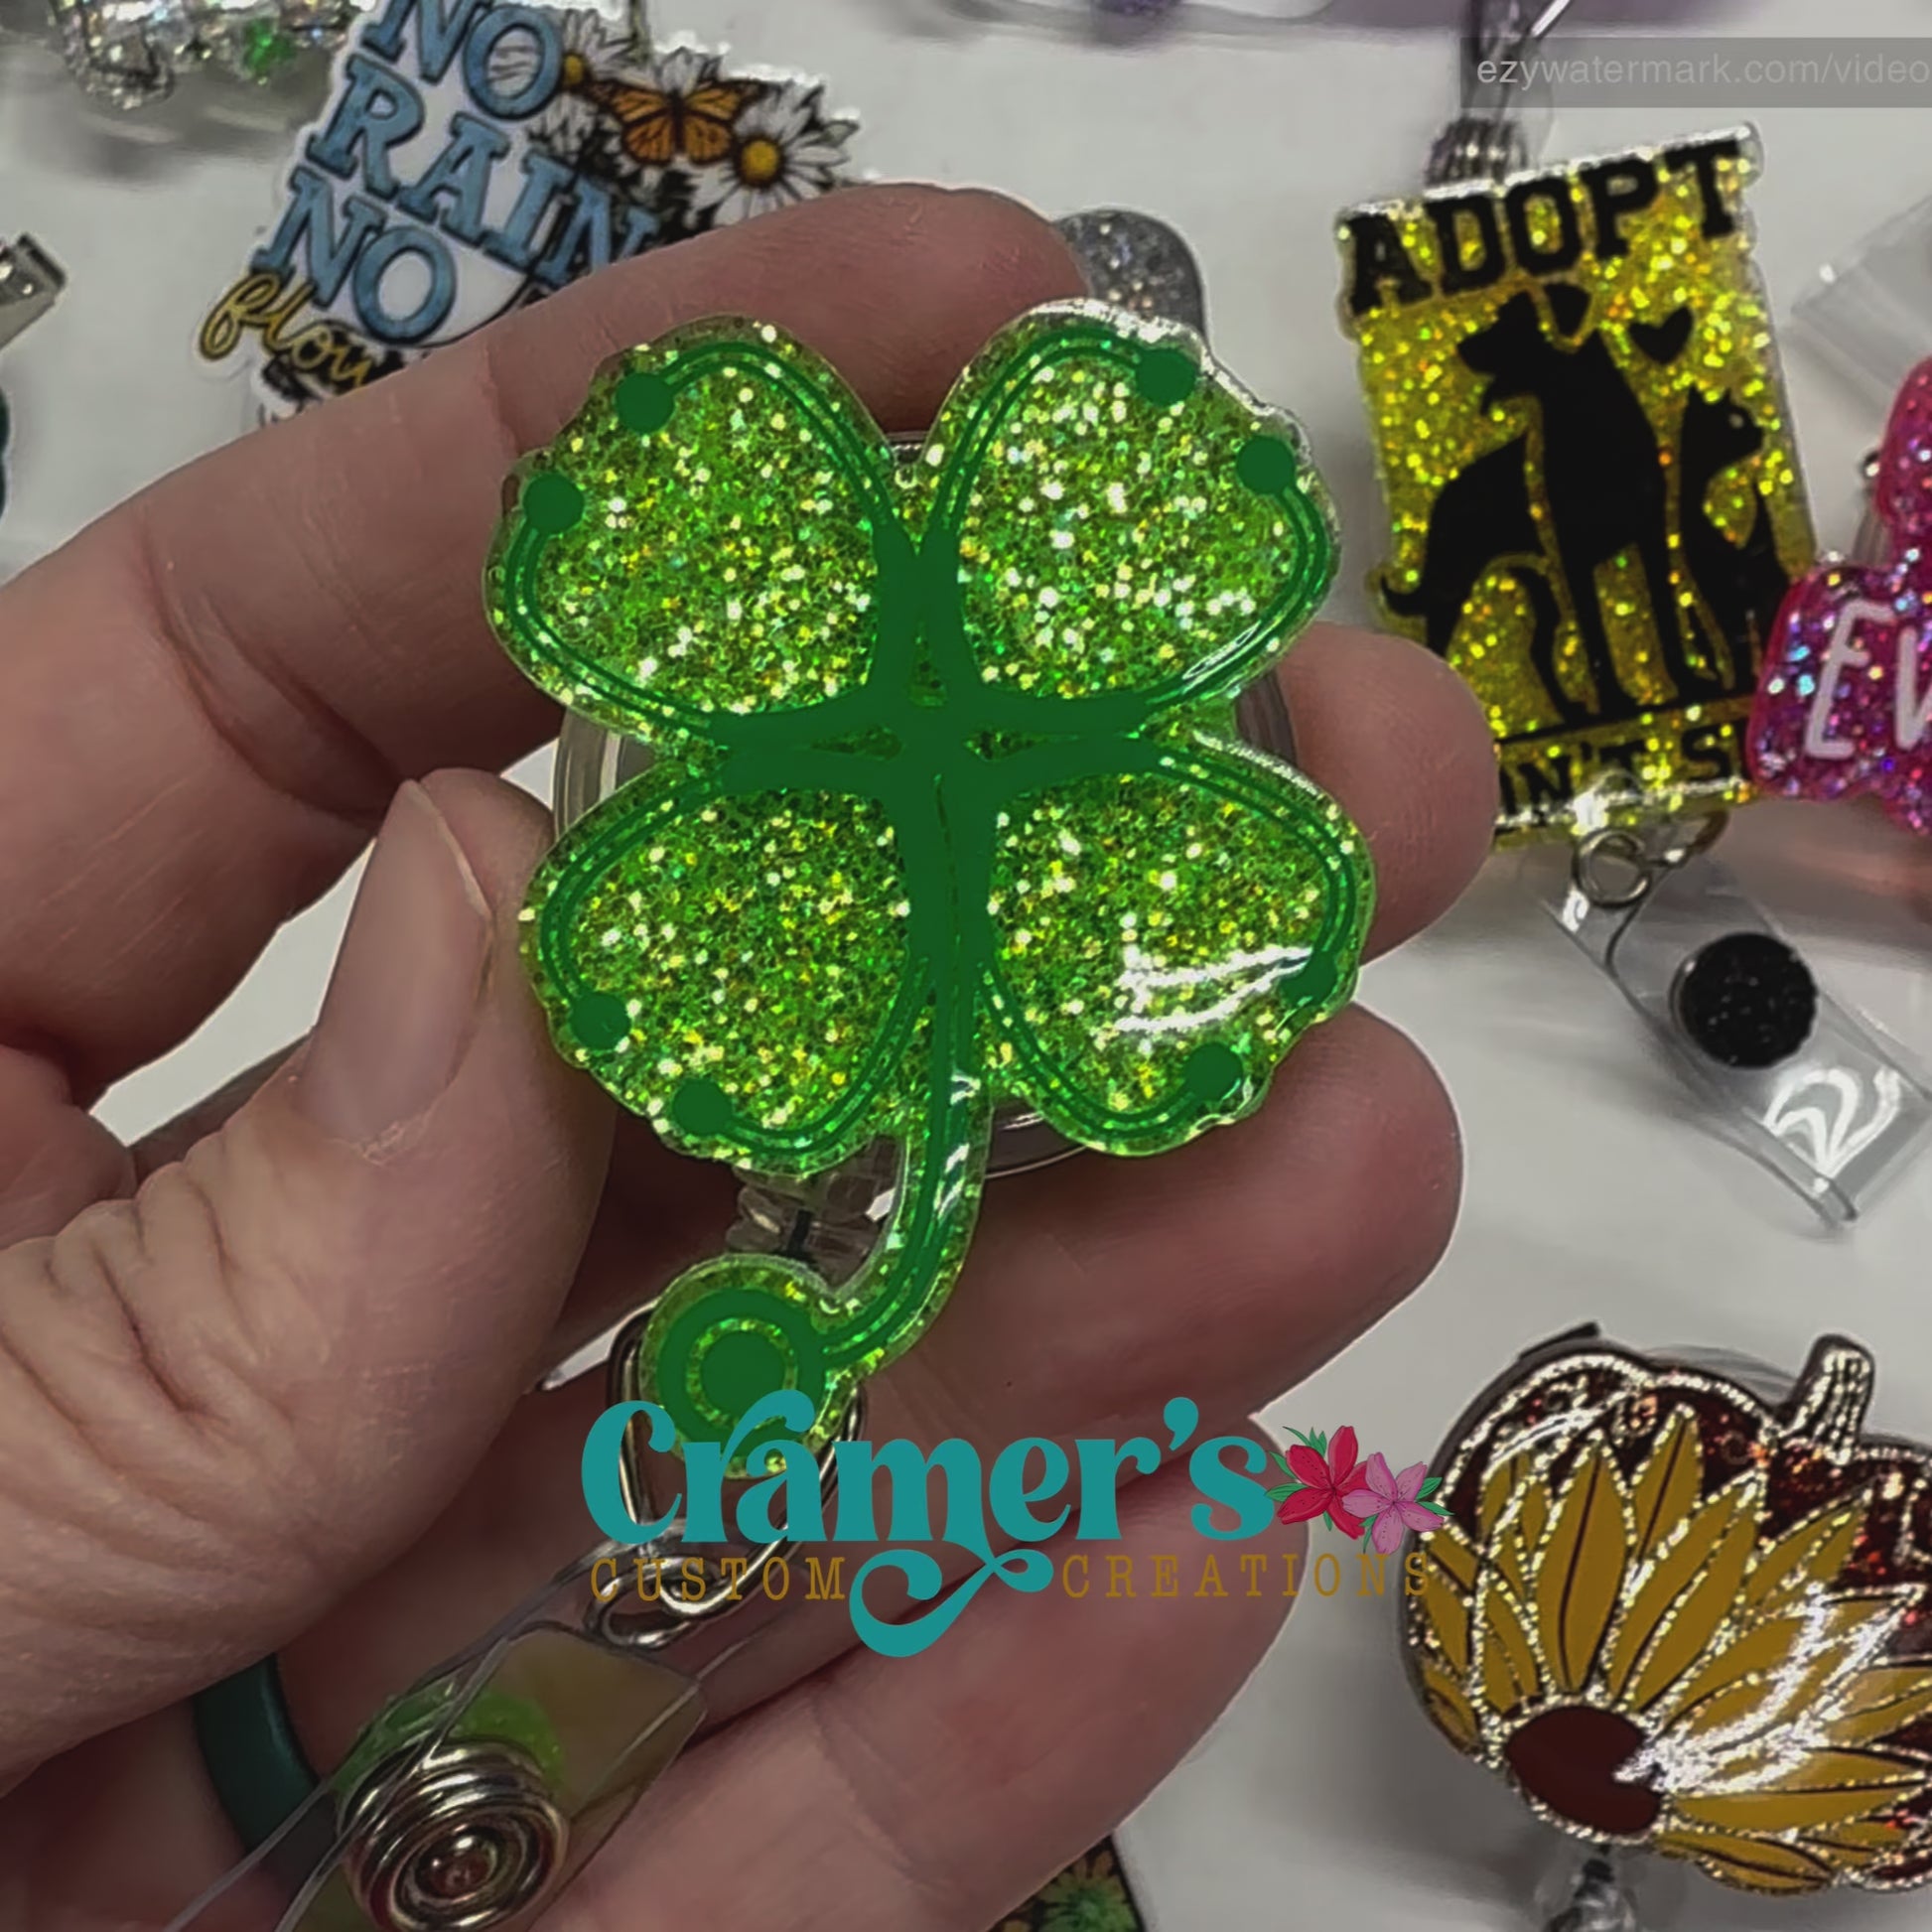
(738, 1328)
(906, 1280)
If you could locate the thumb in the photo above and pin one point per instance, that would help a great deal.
(224, 1402)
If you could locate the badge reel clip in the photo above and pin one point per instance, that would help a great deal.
(1868, 317)
(474, 1798)
(1791, 1076)
(30, 282)
(1595, 512)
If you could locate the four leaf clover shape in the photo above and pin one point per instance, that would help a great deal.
(947, 808)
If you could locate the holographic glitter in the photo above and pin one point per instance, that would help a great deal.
(1677, 1617)
(945, 807)
(1584, 447)
(1847, 694)
(131, 53)
(1136, 261)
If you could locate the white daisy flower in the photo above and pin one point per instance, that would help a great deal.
(783, 149)
(568, 126)
(681, 68)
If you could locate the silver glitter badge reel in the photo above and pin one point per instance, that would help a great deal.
(132, 53)
(1792, 1076)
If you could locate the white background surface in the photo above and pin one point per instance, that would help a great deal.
(1324, 1799)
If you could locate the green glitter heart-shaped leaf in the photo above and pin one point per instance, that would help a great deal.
(1166, 935)
(668, 926)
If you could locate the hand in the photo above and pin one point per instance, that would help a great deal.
(264, 1378)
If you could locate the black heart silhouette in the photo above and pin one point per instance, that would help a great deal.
(1662, 341)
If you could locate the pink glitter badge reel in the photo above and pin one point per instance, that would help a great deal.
(1844, 705)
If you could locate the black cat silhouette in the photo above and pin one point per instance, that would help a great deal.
(1605, 490)
(1741, 584)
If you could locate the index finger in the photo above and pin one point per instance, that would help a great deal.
(208, 699)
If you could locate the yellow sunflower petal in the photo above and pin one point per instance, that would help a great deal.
(1443, 1603)
(1863, 1840)
(1454, 1716)
(1580, 1571)
(1497, 1490)
(1533, 1521)
(1509, 1668)
(1811, 1552)
(1758, 1864)
(1667, 1485)
(1824, 1788)
(1507, 1553)
(1454, 1553)
(1787, 1664)
(1692, 1584)
(1881, 1702)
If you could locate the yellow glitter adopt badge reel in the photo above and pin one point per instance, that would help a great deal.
(1683, 1610)
(1583, 442)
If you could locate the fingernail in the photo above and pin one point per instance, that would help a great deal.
(402, 1002)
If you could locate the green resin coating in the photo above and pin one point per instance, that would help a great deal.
(945, 806)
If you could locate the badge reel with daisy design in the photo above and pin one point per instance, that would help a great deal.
(473, 158)
(1595, 516)
(1682, 1605)
(947, 815)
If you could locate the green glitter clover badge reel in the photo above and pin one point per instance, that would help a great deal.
(945, 809)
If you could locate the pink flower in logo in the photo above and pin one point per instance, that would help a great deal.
(1392, 1504)
(1325, 1473)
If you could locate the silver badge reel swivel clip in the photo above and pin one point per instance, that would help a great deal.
(474, 1799)
(1791, 1076)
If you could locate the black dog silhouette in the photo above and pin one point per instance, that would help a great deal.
(1481, 520)
(1741, 584)
(1480, 515)
(1606, 491)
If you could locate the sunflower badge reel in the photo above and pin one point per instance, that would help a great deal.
(1685, 1612)
(945, 805)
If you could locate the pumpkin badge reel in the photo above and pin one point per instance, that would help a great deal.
(1680, 1618)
